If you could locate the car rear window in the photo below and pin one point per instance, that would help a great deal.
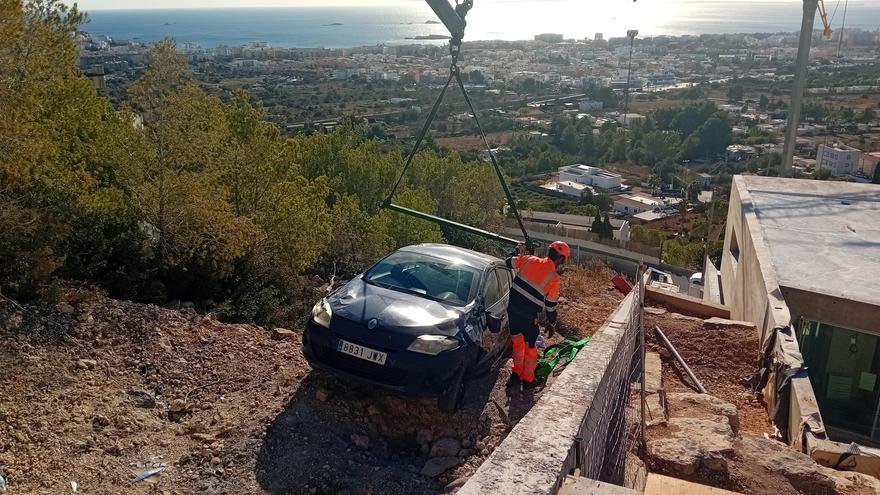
(433, 278)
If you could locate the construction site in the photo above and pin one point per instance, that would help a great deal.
(759, 379)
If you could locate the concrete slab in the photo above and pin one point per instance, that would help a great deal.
(586, 486)
(664, 485)
(724, 322)
(823, 236)
(653, 372)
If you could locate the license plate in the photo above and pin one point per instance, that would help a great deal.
(362, 352)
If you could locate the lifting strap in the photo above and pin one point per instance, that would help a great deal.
(455, 73)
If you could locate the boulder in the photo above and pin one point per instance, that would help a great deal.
(439, 465)
(283, 334)
(142, 398)
(797, 468)
(704, 406)
(690, 444)
(445, 447)
(655, 412)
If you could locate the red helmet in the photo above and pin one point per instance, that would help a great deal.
(562, 249)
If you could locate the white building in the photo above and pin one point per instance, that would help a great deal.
(840, 159)
(593, 176)
(574, 189)
(632, 204)
(589, 105)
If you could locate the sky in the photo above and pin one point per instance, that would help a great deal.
(165, 4)
(170, 4)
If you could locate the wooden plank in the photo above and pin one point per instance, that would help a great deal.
(664, 485)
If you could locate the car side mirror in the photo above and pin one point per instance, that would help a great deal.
(493, 322)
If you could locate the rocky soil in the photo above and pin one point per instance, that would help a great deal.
(723, 357)
(97, 391)
(722, 439)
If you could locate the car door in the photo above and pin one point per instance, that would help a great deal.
(496, 295)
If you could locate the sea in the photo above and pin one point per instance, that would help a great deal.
(340, 27)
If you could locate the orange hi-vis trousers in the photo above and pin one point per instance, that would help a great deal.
(525, 358)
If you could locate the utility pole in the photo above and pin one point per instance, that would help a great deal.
(800, 82)
(632, 33)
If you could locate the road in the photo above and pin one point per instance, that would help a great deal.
(620, 260)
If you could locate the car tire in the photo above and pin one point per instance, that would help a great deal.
(450, 401)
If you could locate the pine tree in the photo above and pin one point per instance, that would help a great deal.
(597, 226)
(607, 229)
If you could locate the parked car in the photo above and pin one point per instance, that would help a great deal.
(417, 322)
(696, 279)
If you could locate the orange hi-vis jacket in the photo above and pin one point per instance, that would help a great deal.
(535, 287)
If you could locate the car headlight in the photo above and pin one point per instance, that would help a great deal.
(322, 313)
(433, 344)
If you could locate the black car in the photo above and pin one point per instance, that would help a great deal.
(416, 322)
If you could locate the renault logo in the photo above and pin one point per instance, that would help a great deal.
(372, 324)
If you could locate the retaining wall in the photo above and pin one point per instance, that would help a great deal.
(542, 448)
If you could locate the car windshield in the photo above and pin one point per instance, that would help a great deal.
(433, 278)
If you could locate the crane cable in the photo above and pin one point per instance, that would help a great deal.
(455, 73)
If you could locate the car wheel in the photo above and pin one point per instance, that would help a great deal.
(450, 400)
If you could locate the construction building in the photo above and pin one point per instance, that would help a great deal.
(805, 253)
(591, 176)
(838, 158)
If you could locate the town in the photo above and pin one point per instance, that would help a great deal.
(553, 104)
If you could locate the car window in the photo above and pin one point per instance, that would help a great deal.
(426, 276)
(505, 278)
(493, 289)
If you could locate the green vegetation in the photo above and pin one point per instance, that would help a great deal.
(177, 194)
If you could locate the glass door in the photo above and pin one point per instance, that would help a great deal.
(843, 365)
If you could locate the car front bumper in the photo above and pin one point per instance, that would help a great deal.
(405, 372)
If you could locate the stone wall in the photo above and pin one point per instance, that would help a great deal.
(543, 447)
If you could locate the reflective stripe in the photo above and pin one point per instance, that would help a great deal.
(548, 278)
(550, 309)
(525, 293)
(539, 288)
(536, 293)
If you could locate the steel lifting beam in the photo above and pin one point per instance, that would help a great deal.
(449, 17)
(450, 223)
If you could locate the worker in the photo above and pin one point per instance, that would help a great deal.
(535, 289)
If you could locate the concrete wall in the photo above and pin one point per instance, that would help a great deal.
(685, 303)
(748, 282)
(711, 283)
(832, 310)
(541, 449)
(751, 290)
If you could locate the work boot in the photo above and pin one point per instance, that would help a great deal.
(529, 385)
(513, 380)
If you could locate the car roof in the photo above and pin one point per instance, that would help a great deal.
(453, 253)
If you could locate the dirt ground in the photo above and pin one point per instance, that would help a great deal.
(96, 391)
(724, 359)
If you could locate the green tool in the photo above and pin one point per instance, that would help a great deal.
(564, 351)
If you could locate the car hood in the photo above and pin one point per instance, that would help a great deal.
(394, 310)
